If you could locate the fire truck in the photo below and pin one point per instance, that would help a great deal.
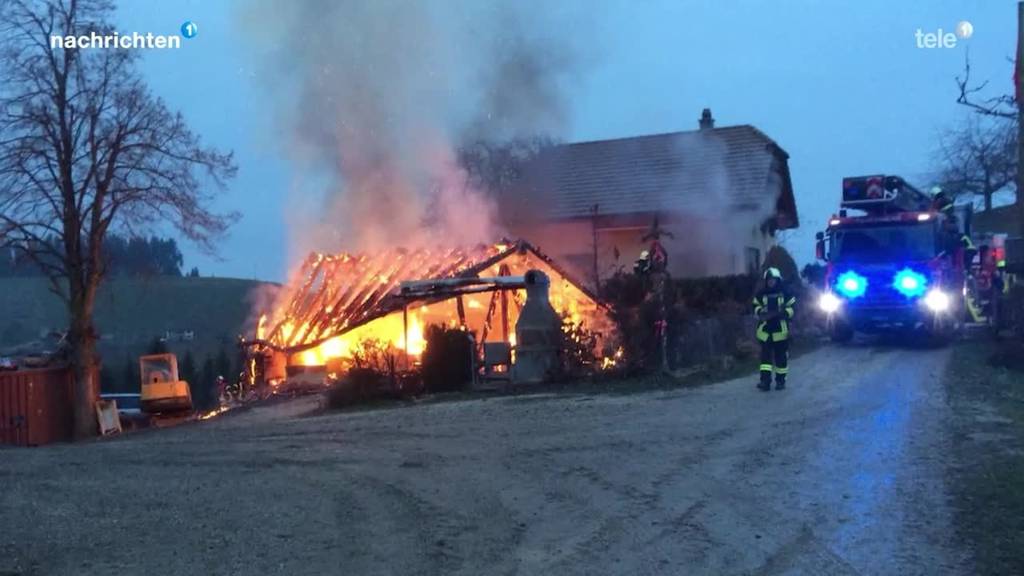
(894, 261)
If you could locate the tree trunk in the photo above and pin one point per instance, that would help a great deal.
(82, 339)
(988, 200)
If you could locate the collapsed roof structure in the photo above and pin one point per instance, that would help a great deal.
(336, 301)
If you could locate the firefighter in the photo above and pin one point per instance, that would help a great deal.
(999, 282)
(643, 264)
(774, 307)
(941, 201)
(221, 387)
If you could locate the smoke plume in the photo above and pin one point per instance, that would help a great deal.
(376, 96)
(702, 200)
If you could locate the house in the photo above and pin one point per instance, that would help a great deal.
(721, 192)
(1000, 220)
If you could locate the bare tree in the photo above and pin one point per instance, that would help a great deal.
(1005, 107)
(495, 166)
(979, 158)
(86, 148)
(971, 96)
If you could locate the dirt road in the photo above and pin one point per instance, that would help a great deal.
(841, 474)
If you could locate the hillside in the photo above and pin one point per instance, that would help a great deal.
(132, 312)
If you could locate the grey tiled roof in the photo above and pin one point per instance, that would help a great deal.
(644, 174)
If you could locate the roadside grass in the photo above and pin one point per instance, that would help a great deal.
(985, 387)
(714, 371)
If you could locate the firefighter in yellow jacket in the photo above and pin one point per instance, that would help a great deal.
(774, 307)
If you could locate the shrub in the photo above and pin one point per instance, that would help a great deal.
(635, 313)
(373, 374)
(814, 275)
(376, 355)
(341, 394)
(714, 294)
(706, 317)
(578, 348)
(779, 258)
(447, 360)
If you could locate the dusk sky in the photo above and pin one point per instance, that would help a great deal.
(841, 86)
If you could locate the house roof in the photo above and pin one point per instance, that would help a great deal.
(646, 174)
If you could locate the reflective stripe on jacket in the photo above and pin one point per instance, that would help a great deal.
(776, 329)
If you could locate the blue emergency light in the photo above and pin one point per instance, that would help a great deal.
(910, 283)
(851, 284)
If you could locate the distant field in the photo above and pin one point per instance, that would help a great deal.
(132, 312)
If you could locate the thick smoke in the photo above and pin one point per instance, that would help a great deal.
(377, 96)
(702, 200)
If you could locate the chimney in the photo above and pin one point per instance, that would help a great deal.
(537, 333)
(706, 121)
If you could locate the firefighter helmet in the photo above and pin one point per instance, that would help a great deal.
(772, 272)
(936, 191)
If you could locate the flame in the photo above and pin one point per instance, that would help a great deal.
(417, 343)
(216, 412)
(609, 362)
(310, 357)
(328, 302)
(261, 327)
(389, 329)
(287, 329)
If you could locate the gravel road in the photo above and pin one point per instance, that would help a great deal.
(843, 473)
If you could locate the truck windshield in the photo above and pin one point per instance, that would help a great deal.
(884, 243)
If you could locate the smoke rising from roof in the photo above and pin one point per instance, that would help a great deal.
(721, 215)
(376, 97)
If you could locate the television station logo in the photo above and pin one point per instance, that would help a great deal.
(126, 41)
(942, 38)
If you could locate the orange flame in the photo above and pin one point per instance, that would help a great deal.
(216, 412)
(389, 330)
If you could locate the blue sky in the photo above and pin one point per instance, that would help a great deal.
(841, 86)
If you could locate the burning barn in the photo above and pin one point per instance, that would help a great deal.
(336, 304)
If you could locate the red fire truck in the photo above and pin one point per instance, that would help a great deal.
(896, 262)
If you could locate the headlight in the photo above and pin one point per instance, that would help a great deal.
(937, 301)
(851, 284)
(909, 283)
(829, 302)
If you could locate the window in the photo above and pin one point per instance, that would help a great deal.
(882, 243)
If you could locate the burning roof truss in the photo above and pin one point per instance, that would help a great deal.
(335, 294)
